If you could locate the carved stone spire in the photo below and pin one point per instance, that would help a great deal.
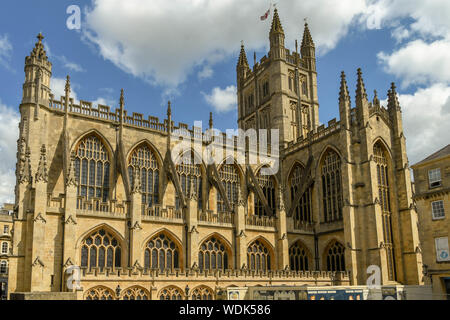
(71, 181)
(276, 23)
(38, 50)
(211, 124)
(360, 87)
(136, 181)
(67, 87)
(393, 103)
(307, 38)
(121, 99)
(242, 61)
(344, 95)
(42, 171)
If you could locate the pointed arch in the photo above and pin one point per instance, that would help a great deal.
(190, 171)
(101, 248)
(171, 293)
(93, 170)
(331, 184)
(303, 209)
(151, 146)
(232, 162)
(135, 293)
(144, 160)
(260, 255)
(99, 135)
(334, 256)
(99, 293)
(268, 185)
(383, 142)
(214, 253)
(167, 232)
(202, 292)
(163, 251)
(300, 257)
(230, 175)
(382, 160)
(97, 227)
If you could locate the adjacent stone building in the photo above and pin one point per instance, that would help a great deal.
(6, 225)
(100, 189)
(432, 197)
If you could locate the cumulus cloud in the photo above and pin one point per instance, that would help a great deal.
(9, 133)
(164, 41)
(222, 100)
(426, 115)
(5, 51)
(419, 62)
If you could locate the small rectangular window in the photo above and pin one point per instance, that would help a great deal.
(437, 209)
(434, 177)
(4, 247)
(5, 229)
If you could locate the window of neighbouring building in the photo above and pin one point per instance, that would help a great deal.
(437, 209)
(434, 177)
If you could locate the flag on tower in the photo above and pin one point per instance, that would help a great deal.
(266, 15)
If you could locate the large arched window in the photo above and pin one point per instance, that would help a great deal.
(171, 293)
(213, 255)
(99, 293)
(381, 161)
(303, 209)
(143, 159)
(188, 171)
(162, 253)
(135, 293)
(335, 257)
(331, 186)
(258, 256)
(92, 168)
(229, 176)
(299, 257)
(101, 249)
(267, 184)
(202, 293)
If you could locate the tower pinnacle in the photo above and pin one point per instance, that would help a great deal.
(276, 24)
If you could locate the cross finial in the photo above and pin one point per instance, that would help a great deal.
(242, 43)
(306, 20)
(40, 37)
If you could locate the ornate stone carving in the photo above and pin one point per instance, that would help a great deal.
(39, 218)
(25, 169)
(71, 220)
(136, 181)
(38, 263)
(71, 180)
(42, 171)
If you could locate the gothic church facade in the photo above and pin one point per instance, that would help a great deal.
(99, 189)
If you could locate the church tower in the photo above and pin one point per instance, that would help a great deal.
(280, 92)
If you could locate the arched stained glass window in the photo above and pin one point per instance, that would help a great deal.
(229, 176)
(331, 186)
(267, 184)
(161, 253)
(188, 171)
(258, 256)
(202, 293)
(99, 293)
(144, 160)
(381, 161)
(299, 257)
(303, 209)
(171, 293)
(213, 255)
(101, 249)
(135, 293)
(92, 168)
(335, 257)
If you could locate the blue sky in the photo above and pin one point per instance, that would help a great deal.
(186, 51)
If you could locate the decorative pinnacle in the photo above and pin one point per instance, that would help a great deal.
(276, 24)
(307, 38)
(343, 93)
(121, 99)
(376, 101)
(40, 37)
(67, 87)
(169, 110)
(393, 98)
(210, 120)
(360, 87)
(242, 56)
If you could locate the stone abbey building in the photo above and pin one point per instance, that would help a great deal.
(99, 189)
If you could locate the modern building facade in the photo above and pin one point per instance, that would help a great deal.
(432, 197)
(101, 190)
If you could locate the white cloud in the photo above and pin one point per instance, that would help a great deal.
(9, 133)
(70, 65)
(58, 85)
(426, 115)
(223, 100)
(419, 62)
(5, 51)
(205, 73)
(164, 41)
